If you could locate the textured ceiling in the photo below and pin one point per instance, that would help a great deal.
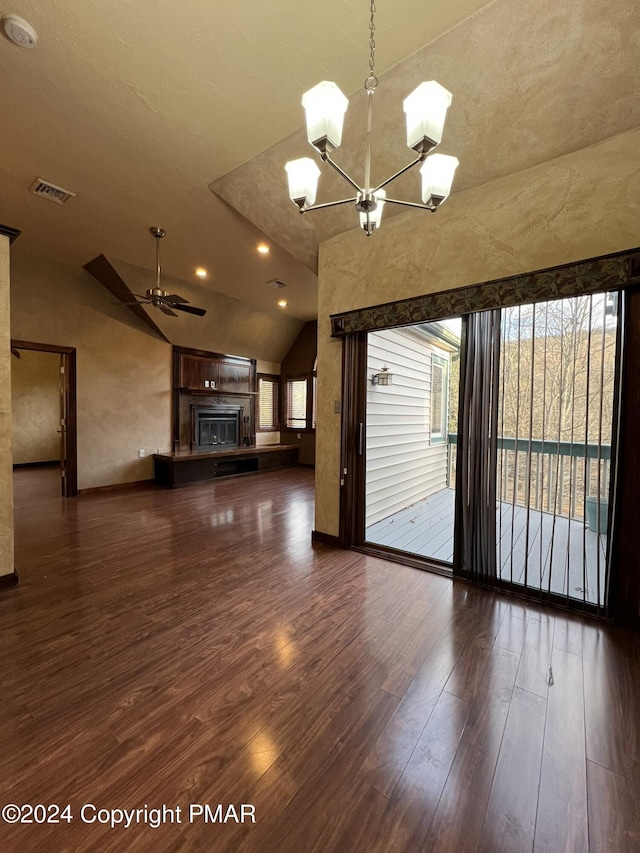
(530, 82)
(138, 106)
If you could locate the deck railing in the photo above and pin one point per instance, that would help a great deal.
(552, 476)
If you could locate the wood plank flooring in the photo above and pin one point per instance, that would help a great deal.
(192, 646)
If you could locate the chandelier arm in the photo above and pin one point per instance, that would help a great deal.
(406, 168)
(328, 204)
(430, 207)
(327, 159)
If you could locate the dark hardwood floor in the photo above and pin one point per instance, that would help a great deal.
(192, 646)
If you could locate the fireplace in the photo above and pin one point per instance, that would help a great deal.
(217, 428)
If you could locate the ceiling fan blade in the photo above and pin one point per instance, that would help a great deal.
(128, 293)
(143, 302)
(173, 297)
(190, 309)
(167, 310)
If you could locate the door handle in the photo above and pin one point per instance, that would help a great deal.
(360, 439)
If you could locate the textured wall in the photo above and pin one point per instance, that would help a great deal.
(6, 479)
(35, 407)
(580, 205)
(124, 372)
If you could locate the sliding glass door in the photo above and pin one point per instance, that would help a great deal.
(410, 439)
(536, 436)
(556, 394)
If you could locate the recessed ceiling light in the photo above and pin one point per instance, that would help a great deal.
(201, 272)
(263, 248)
(283, 303)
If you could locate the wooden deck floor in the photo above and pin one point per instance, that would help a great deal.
(176, 647)
(568, 568)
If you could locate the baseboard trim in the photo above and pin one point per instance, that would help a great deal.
(116, 487)
(325, 539)
(49, 464)
(9, 581)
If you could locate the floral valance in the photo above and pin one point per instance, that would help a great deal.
(609, 272)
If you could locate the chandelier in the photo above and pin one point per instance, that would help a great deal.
(325, 106)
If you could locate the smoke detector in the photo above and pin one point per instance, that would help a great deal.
(50, 191)
(19, 31)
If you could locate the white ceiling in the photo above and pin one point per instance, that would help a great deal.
(138, 106)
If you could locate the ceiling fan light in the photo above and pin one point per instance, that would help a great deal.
(303, 177)
(437, 177)
(426, 109)
(375, 216)
(325, 106)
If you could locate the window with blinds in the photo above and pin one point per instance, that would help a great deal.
(268, 403)
(296, 404)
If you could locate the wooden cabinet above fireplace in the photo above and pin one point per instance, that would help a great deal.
(212, 373)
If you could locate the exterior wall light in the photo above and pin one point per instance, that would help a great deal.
(382, 378)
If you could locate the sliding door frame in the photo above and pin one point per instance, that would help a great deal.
(619, 271)
(352, 443)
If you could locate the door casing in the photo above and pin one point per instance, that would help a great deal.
(68, 412)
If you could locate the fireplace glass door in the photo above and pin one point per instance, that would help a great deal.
(217, 429)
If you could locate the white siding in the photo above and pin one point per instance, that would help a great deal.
(402, 466)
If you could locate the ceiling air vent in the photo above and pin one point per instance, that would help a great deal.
(45, 189)
(277, 283)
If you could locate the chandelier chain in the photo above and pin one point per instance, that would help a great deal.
(372, 81)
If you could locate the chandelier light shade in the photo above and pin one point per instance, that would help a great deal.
(437, 176)
(325, 105)
(426, 108)
(303, 177)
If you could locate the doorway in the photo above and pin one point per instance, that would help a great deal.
(411, 429)
(517, 492)
(65, 407)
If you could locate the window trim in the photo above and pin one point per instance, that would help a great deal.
(443, 364)
(285, 401)
(274, 380)
(311, 401)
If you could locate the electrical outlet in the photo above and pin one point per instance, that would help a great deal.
(142, 453)
(299, 435)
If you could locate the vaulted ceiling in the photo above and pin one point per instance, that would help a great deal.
(139, 108)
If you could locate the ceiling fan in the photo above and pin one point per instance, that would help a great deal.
(168, 303)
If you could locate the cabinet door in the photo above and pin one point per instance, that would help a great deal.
(235, 377)
(194, 372)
